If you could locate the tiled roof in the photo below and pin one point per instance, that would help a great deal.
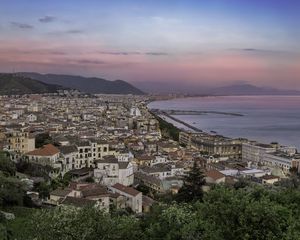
(214, 174)
(46, 150)
(61, 192)
(129, 190)
(78, 202)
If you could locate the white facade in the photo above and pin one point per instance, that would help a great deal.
(134, 199)
(254, 152)
(110, 173)
(281, 161)
(31, 118)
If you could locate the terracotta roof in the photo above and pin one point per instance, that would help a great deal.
(147, 201)
(214, 174)
(96, 191)
(269, 177)
(78, 202)
(46, 150)
(129, 190)
(61, 192)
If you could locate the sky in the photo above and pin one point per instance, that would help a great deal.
(158, 43)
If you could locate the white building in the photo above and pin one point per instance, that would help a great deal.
(134, 198)
(255, 152)
(31, 118)
(282, 160)
(110, 171)
(68, 158)
(135, 112)
(46, 155)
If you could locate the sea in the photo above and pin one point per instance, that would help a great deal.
(265, 119)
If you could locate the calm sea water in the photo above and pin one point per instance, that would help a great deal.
(265, 118)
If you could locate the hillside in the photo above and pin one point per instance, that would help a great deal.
(84, 84)
(11, 84)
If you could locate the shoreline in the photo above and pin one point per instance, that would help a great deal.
(256, 136)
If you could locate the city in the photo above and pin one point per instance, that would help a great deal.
(155, 120)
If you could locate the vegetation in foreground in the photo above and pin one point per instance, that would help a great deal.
(242, 211)
(224, 213)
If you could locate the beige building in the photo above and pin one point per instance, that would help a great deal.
(20, 141)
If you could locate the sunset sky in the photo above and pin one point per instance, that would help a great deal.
(172, 42)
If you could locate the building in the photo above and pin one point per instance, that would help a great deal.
(68, 158)
(214, 177)
(80, 195)
(110, 171)
(282, 161)
(255, 152)
(134, 198)
(213, 145)
(20, 141)
(46, 155)
(269, 179)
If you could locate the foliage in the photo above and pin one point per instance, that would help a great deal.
(90, 180)
(34, 170)
(227, 213)
(168, 130)
(7, 167)
(12, 191)
(67, 223)
(20, 227)
(192, 185)
(43, 139)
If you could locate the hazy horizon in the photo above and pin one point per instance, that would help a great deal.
(182, 44)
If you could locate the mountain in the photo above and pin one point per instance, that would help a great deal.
(84, 84)
(11, 84)
(248, 89)
(193, 89)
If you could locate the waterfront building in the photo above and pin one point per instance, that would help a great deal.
(255, 152)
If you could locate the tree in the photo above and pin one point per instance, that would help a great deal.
(90, 223)
(12, 191)
(192, 185)
(173, 222)
(43, 139)
(7, 166)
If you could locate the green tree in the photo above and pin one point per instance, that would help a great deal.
(12, 191)
(7, 166)
(68, 223)
(173, 222)
(43, 139)
(192, 189)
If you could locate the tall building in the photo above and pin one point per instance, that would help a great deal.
(20, 141)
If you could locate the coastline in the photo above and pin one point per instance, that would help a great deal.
(256, 125)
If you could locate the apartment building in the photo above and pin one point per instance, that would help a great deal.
(255, 152)
(20, 141)
(216, 145)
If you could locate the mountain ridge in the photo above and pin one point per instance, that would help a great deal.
(92, 85)
(12, 84)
